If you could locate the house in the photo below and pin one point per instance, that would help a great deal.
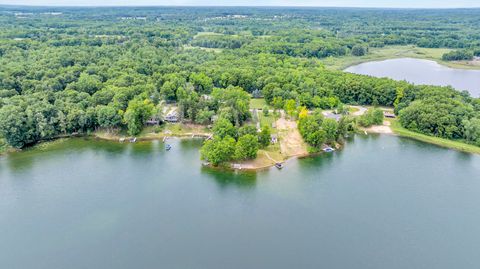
(172, 117)
(153, 121)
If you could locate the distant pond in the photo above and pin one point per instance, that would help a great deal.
(420, 71)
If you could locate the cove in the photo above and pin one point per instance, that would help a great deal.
(420, 71)
(381, 202)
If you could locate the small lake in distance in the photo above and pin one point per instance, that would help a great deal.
(419, 71)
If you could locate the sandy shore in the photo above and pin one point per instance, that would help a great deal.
(379, 129)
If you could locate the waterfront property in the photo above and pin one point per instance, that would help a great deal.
(172, 117)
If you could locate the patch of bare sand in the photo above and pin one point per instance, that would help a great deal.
(291, 142)
(380, 129)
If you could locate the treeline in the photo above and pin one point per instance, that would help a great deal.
(220, 41)
(104, 68)
(458, 55)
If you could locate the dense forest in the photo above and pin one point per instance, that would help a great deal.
(75, 70)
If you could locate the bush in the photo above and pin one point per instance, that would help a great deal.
(458, 55)
(371, 117)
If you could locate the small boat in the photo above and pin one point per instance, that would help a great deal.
(328, 149)
(133, 140)
(168, 147)
(279, 165)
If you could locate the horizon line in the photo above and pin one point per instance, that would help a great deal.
(232, 6)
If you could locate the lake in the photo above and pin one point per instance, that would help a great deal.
(420, 71)
(381, 202)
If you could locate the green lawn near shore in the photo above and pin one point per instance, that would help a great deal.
(391, 52)
(457, 145)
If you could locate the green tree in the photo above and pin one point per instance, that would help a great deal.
(472, 130)
(137, 113)
(371, 117)
(290, 107)
(246, 147)
(247, 129)
(264, 137)
(108, 117)
(17, 126)
(223, 128)
(218, 150)
(88, 83)
(359, 50)
(330, 127)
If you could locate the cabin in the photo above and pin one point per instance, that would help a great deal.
(389, 115)
(172, 117)
(153, 121)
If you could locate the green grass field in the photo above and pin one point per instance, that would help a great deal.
(266, 120)
(390, 52)
(457, 145)
(257, 103)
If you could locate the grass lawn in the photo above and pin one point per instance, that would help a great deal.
(352, 109)
(457, 145)
(216, 50)
(266, 120)
(199, 34)
(176, 129)
(389, 52)
(257, 103)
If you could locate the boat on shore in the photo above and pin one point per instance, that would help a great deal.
(328, 149)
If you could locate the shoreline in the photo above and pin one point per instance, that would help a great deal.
(392, 127)
(397, 52)
(452, 65)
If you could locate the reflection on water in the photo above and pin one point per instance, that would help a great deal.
(379, 202)
(225, 179)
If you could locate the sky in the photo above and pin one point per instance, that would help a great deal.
(320, 3)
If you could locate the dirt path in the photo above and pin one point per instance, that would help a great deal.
(360, 112)
(291, 142)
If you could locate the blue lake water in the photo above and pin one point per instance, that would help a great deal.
(381, 202)
(420, 71)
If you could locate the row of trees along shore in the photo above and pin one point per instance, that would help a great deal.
(88, 69)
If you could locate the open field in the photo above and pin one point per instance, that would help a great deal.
(199, 34)
(266, 120)
(457, 145)
(390, 52)
(257, 103)
(216, 50)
